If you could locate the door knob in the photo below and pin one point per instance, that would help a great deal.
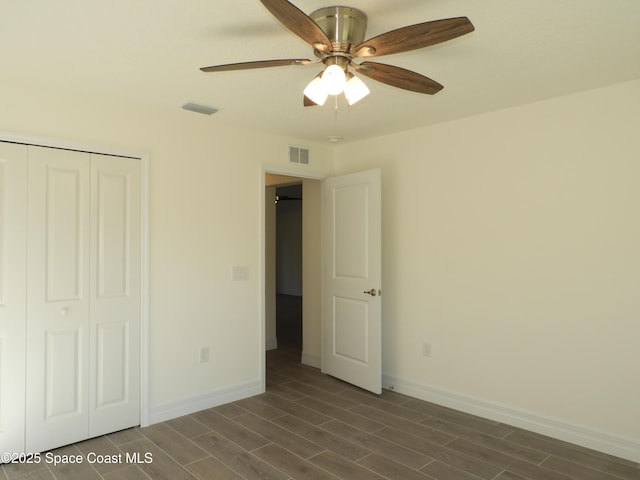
(373, 292)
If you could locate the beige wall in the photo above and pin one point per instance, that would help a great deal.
(511, 243)
(311, 272)
(206, 193)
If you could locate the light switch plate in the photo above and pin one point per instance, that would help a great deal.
(240, 273)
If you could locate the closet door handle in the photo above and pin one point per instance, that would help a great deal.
(64, 310)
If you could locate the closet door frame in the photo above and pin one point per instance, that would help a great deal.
(13, 292)
(144, 240)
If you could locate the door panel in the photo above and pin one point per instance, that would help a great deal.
(351, 239)
(351, 329)
(113, 255)
(13, 251)
(112, 363)
(63, 392)
(58, 292)
(64, 232)
(114, 395)
(352, 279)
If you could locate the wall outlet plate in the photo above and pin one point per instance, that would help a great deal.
(204, 354)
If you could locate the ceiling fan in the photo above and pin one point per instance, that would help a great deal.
(337, 37)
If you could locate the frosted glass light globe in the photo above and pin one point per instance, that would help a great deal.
(334, 79)
(355, 90)
(316, 91)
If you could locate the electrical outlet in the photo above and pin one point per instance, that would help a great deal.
(204, 354)
(426, 349)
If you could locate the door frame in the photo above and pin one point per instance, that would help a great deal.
(290, 171)
(144, 241)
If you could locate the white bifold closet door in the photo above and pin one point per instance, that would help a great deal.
(115, 306)
(83, 296)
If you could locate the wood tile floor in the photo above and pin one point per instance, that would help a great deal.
(309, 426)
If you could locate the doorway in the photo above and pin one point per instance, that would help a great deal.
(359, 196)
(292, 315)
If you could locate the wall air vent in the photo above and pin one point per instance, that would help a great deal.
(298, 155)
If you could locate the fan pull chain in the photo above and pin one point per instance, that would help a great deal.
(335, 108)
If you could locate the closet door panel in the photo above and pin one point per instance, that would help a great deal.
(58, 291)
(115, 294)
(64, 234)
(13, 240)
(63, 372)
(112, 362)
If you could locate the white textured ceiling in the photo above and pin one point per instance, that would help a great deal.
(150, 51)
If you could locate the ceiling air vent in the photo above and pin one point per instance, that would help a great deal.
(299, 155)
(196, 107)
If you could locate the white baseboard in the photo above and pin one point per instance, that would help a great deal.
(271, 343)
(167, 411)
(590, 438)
(311, 360)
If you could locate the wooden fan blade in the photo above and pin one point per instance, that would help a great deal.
(398, 77)
(299, 23)
(414, 37)
(308, 102)
(259, 64)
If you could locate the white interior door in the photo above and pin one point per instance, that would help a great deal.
(352, 278)
(13, 254)
(114, 380)
(58, 292)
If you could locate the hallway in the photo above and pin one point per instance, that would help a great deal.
(289, 321)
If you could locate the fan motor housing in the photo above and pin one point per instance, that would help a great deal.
(345, 26)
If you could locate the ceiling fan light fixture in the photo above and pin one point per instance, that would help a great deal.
(355, 89)
(316, 91)
(334, 79)
(337, 36)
